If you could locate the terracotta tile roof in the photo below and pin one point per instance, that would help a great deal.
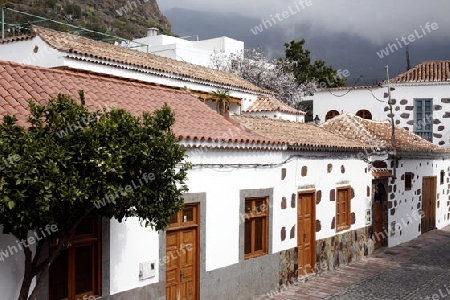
(265, 104)
(194, 120)
(428, 71)
(378, 134)
(16, 38)
(170, 68)
(299, 135)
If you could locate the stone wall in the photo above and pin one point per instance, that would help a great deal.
(343, 249)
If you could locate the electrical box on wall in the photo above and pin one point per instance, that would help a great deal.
(147, 269)
(368, 217)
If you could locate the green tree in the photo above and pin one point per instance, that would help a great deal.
(58, 168)
(307, 71)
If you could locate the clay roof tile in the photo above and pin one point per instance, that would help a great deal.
(193, 118)
(378, 133)
(95, 49)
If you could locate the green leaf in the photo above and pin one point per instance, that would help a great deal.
(11, 205)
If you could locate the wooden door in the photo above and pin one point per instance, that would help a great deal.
(306, 233)
(182, 255)
(428, 203)
(379, 213)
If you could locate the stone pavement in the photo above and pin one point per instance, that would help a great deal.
(418, 269)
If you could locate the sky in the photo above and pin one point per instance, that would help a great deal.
(380, 21)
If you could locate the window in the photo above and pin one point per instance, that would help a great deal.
(256, 222)
(408, 181)
(331, 114)
(76, 271)
(442, 176)
(365, 114)
(343, 208)
(185, 217)
(423, 118)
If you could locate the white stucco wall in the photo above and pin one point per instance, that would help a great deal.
(221, 44)
(194, 52)
(223, 186)
(351, 102)
(318, 178)
(443, 192)
(131, 244)
(184, 53)
(404, 112)
(403, 107)
(31, 52)
(11, 266)
(407, 204)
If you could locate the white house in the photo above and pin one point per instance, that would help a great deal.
(194, 52)
(53, 49)
(420, 101)
(262, 208)
(411, 178)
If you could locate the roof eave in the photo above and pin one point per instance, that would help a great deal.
(117, 64)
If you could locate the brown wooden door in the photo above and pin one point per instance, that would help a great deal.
(306, 237)
(379, 235)
(428, 203)
(181, 256)
(379, 211)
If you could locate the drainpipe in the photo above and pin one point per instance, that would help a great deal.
(393, 141)
(3, 22)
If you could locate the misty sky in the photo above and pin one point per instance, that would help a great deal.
(380, 21)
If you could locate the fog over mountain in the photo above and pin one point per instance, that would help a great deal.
(351, 35)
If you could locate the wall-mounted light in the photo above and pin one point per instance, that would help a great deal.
(317, 120)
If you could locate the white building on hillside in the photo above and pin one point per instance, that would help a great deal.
(194, 52)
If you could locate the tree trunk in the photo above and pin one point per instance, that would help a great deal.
(32, 268)
(28, 272)
(38, 285)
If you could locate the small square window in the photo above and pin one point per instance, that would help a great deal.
(408, 181)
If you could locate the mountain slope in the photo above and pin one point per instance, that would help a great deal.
(124, 18)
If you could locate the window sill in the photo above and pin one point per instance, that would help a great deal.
(342, 228)
(250, 256)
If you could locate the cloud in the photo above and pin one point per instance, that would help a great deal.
(379, 21)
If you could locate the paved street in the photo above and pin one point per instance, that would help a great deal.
(419, 269)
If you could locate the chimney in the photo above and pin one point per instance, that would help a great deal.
(152, 31)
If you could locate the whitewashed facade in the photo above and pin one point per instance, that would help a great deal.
(194, 52)
(428, 81)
